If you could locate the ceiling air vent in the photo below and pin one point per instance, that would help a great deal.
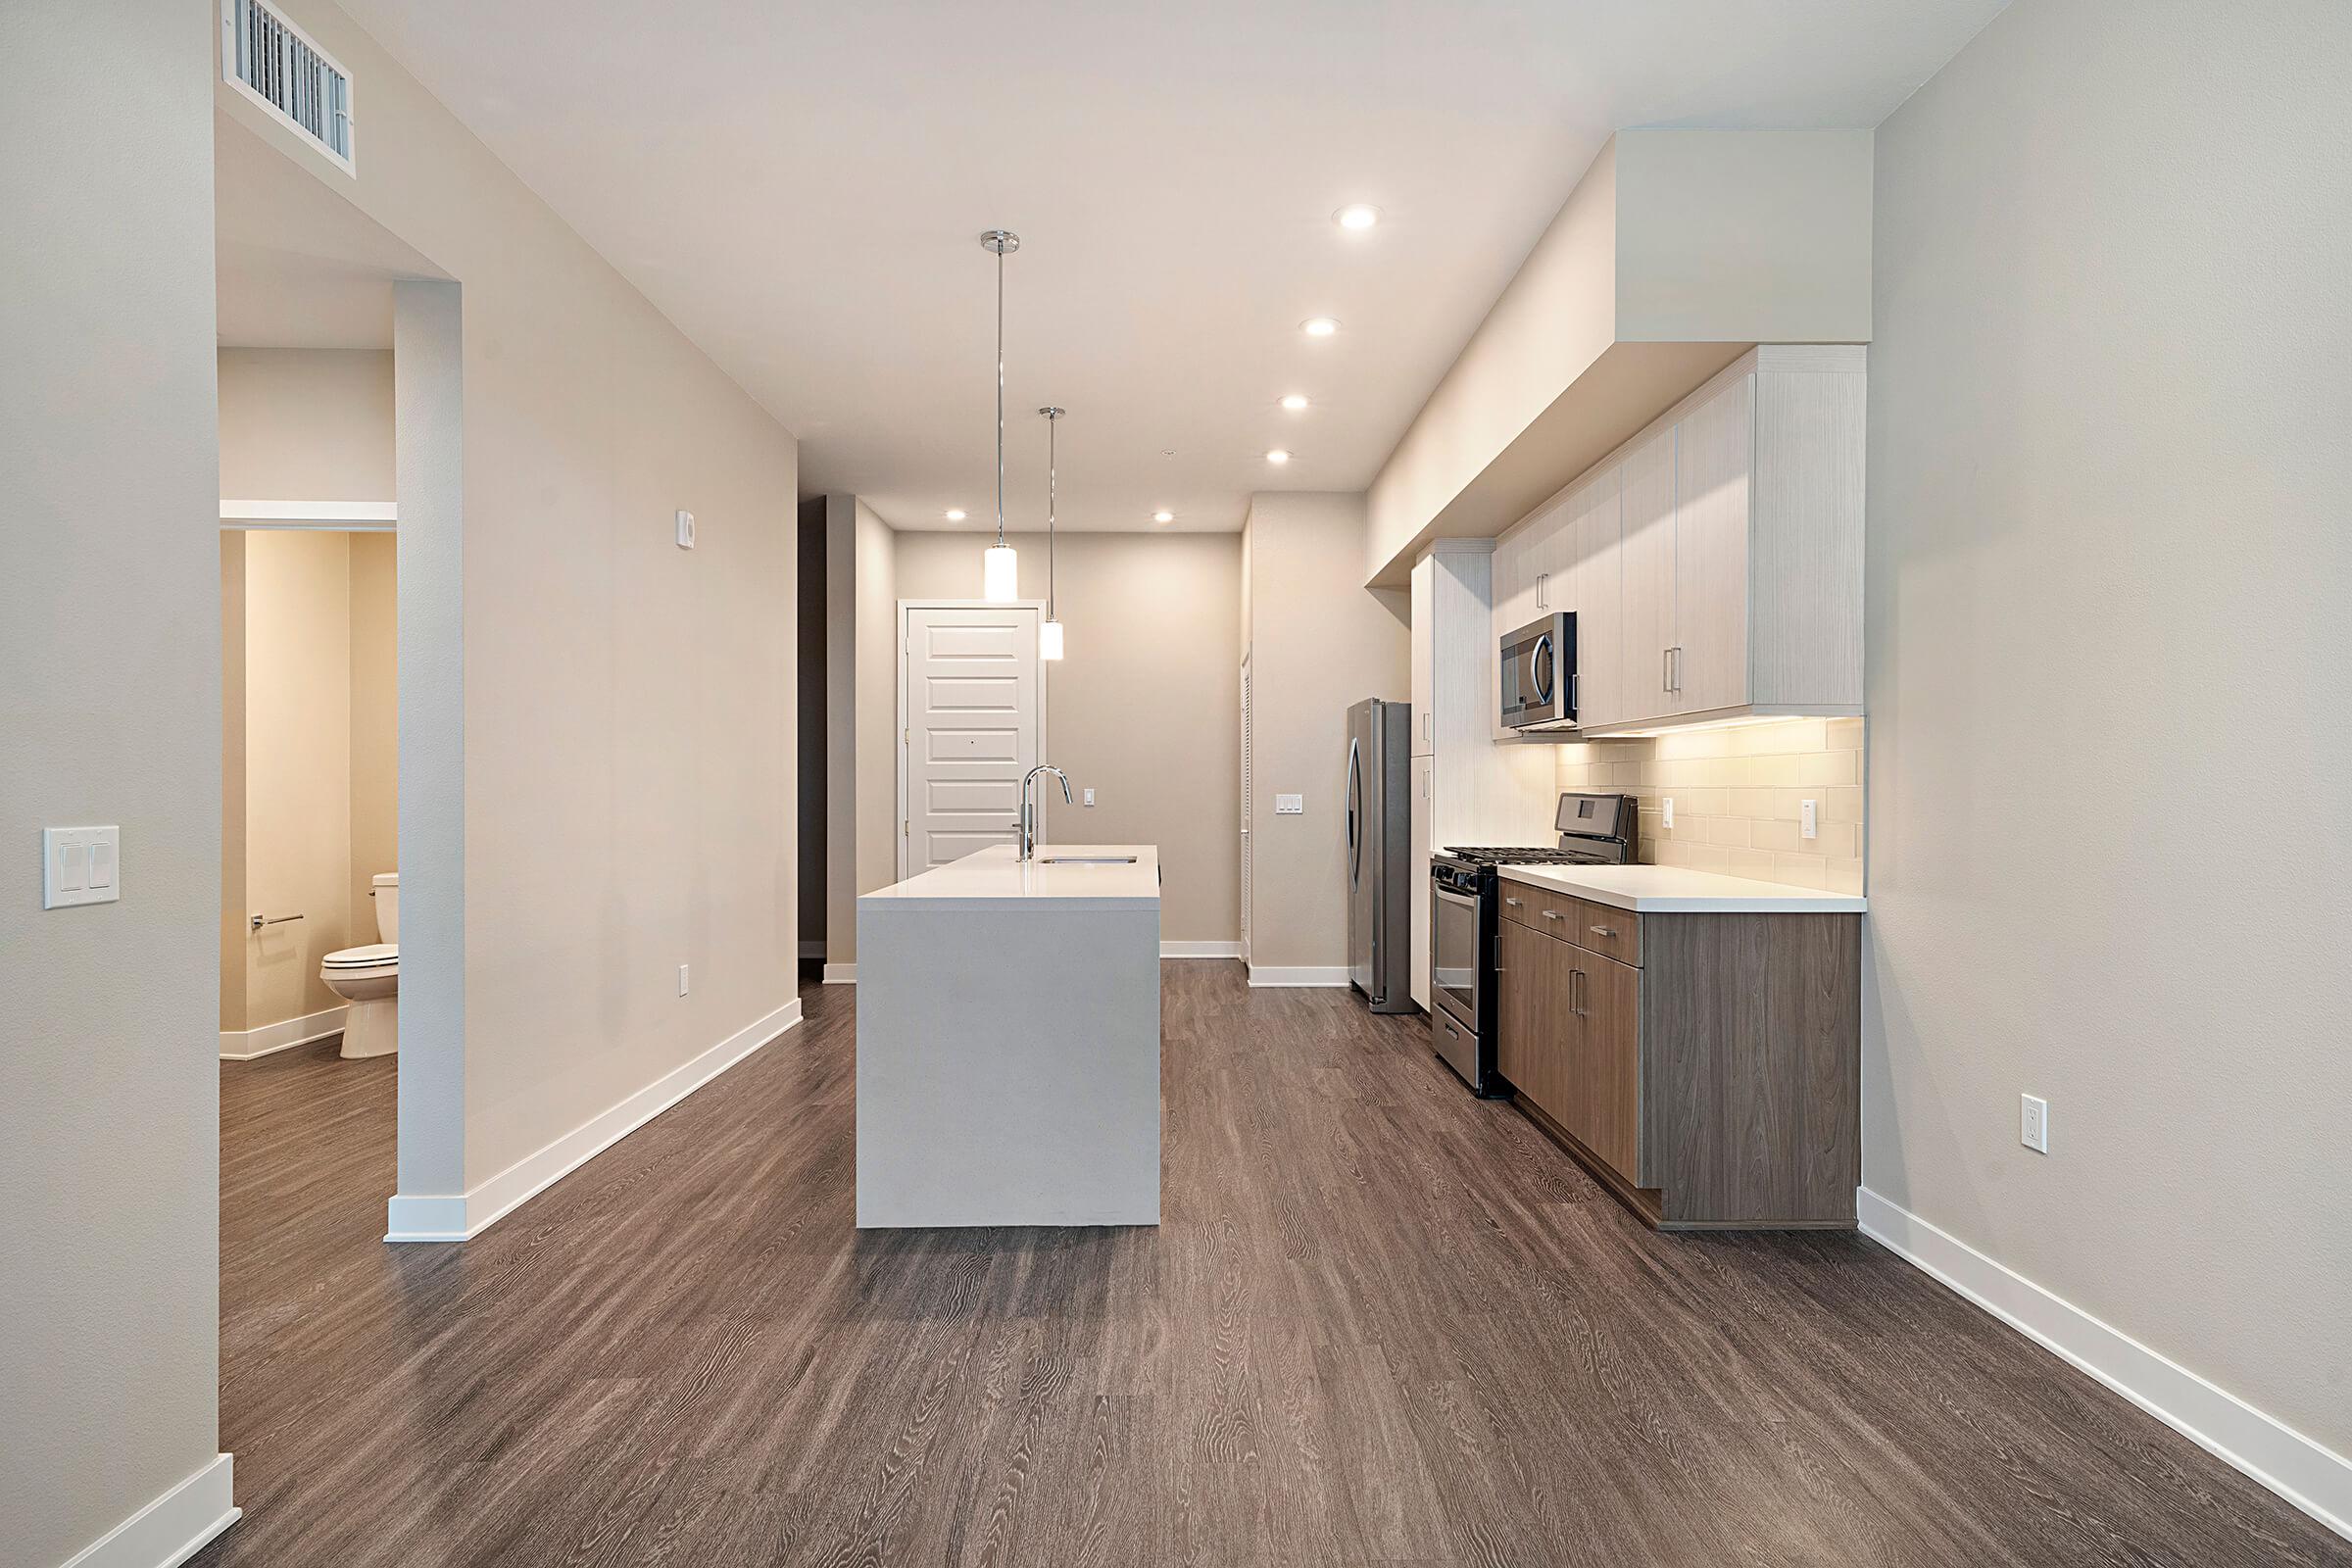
(278, 66)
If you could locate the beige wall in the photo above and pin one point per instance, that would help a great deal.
(374, 725)
(1319, 643)
(2111, 715)
(1144, 708)
(628, 707)
(1739, 795)
(309, 790)
(297, 766)
(306, 425)
(110, 661)
(234, 932)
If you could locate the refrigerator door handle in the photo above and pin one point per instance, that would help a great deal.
(1352, 805)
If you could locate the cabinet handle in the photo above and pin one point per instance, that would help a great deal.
(1666, 669)
(1576, 992)
(1551, 915)
(1602, 930)
(1513, 903)
(1542, 579)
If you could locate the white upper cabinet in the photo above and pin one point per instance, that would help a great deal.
(1599, 585)
(1646, 594)
(1712, 456)
(1424, 646)
(1715, 560)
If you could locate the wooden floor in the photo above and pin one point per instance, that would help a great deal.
(1383, 1323)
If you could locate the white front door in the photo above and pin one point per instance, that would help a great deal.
(973, 703)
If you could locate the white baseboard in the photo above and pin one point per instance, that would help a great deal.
(460, 1217)
(841, 974)
(243, 1045)
(172, 1529)
(2313, 1477)
(1200, 950)
(1316, 974)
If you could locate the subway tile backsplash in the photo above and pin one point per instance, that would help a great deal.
(1738, 796)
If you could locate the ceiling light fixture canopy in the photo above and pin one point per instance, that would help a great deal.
(1163, 516)
(1357, 216)
(1049, 634)
(1295, 402)
(1278, 457)
(1000, 566)
(1318, 327)
(954, 513)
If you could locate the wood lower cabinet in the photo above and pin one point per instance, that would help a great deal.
(1715, 1083)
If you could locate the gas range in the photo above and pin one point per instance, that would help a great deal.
(1483, 855)
(1465, 898)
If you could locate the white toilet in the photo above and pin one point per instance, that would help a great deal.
(369, 979)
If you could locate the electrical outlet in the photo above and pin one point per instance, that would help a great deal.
(2033, 1123)
(1808, 814)
(1669, 810)
(681, 979)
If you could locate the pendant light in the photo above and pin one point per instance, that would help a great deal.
(999, 566)
(1049, 635)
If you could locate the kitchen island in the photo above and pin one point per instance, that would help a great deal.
(1009, 1041)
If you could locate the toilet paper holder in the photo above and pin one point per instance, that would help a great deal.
(258, 920)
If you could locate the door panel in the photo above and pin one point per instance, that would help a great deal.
(973, 699)
(1609, 1068)
(1539, 1032)
(1712, 476)
(1647, 557)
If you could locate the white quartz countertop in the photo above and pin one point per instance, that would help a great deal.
(1677, 890)
(994, 880)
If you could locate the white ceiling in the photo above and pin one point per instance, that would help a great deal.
(801, 188)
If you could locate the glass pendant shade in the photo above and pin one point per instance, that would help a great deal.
(999, 574)
(1048, 640)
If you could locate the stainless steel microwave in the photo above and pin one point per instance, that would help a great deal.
(1538, 665)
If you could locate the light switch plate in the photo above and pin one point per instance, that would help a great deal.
(80, 865)
(1669, 810)
(681, 979)
(1808, 814)
(1290, 806)
(1090, 797)
(685, 530)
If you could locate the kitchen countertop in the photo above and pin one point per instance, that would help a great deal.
(992, 879)
(1677, 890)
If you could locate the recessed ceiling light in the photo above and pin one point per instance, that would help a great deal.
(1318, 327)
(1295, 402)
(1359, 215)
(954, 513)
(1163, 516)
(1278, 457)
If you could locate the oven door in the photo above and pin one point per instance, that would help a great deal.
(1455, 961)
(1536, 665)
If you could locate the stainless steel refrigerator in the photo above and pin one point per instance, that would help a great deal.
(1377, 811)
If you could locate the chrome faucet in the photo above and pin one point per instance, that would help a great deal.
(1028, 822)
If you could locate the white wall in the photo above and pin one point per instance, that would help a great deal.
(628, 707)
(2111, 709)
(861, 829)
(306, 425)
(109, 668)
(1319, 643)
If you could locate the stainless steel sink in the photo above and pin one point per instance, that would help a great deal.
(1087, 860)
